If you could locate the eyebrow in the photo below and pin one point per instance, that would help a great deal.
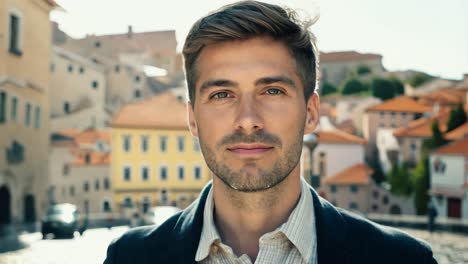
(219, 83)
(276, 79)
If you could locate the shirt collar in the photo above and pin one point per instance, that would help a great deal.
(299, 228)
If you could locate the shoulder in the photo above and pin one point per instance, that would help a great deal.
(142, 244)
(373, 241)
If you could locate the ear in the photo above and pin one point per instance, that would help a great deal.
(191, 119)
(313, 114)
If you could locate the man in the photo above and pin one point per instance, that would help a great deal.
(251, 74)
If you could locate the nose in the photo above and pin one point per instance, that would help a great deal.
(248, 119)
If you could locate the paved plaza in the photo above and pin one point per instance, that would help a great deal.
(91, 247)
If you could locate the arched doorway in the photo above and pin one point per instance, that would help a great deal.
(395, 210)
(5, 205)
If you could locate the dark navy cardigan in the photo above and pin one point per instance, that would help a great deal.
(342, 237)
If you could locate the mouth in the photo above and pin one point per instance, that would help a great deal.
(250, 149)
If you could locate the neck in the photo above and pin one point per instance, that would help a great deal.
(242, 218)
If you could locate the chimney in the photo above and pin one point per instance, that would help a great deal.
(130, 31)
(435, 109)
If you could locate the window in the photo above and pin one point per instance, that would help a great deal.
(196, 145)
(117, 68)
(144, 173)
(65, 169)
(197, 172)
(106, 207)
(66, 107)
(97, 185)
(94, 84)
(97, 44)
(385, 200)
(322, 163)
(3, 107)
(353, 205)
(354, 188)
(87, 158)
(126, 143)
(106, 184)
(333, 188)
(127, 174)
(144, 143)
(180, 172)
(70, 68)
(163, 173)
(413, 151)
(37, 117)
(27, 117)
(163, 143)
(180, 143)
(137, 94)
(86, 187)
(14, 108)
(52, 67)
(81, 70)
(72, 190)
(375, 194)
(15, 35)
(128, 203)
(438, 165)
(375, 207)
(137, 78)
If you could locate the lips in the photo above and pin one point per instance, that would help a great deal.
(249, 149)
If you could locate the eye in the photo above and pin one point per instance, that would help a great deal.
(274, 91)
(219, 95)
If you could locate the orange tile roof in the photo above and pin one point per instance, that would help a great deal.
(95, 158)
(70, 132)
(163, 111)
(445, 96)
(327, 110)
(400, 104)
(346, 56)
(458, 133)
(356, 174)
(347, 126)
(91, 136)
(422, 127)
(459, 147)
(338, 136)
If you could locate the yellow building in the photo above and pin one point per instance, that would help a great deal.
(25, 50)
(155, 159)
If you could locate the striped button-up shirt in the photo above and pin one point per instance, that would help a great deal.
(295, 241)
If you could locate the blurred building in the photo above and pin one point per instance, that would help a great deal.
(449, 179)
(80, 171)
(155, 159)
(25, 52)
(394, 113)
(335, 67)
(78, 90)
(137, 65)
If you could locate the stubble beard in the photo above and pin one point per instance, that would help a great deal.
(251, 178)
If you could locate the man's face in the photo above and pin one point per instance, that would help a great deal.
(249, 113)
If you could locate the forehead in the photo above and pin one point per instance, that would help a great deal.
(245, 59)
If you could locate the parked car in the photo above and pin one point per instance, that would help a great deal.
(62, 220)
(157, 215)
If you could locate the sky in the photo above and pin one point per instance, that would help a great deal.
(424, 35)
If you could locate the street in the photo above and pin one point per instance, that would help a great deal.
(91, 247)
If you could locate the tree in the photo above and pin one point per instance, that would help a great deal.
(353, 86)
(421, 177)
(400, 180)
(398, 85)
(363, 69)
(457, 117)
(383, 88)
(373, 161)
(418, 79)
(328, 88)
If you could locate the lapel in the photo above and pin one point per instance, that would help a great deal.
(331, 231)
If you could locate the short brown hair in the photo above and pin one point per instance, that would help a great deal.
(247, 19)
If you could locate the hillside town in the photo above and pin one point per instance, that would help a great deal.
(100, 122)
